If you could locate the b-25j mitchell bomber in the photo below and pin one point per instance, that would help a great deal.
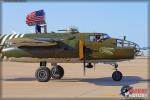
(68, 47)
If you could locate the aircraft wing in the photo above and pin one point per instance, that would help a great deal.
(33, 42)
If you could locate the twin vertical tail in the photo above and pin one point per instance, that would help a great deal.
(5, 37)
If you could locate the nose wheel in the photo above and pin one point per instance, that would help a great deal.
(116, 75)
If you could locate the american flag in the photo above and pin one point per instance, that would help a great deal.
(36, 17)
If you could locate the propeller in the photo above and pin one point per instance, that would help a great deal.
(1, 55)
(84, 60)
(139, 51)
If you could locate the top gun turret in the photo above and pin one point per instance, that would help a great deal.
(70, 30)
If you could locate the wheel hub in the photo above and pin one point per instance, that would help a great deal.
(55, 72)
(42, 74)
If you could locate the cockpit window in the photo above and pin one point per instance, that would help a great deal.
(96, 38)
(106, 36)
(99, 37)
(92, 38)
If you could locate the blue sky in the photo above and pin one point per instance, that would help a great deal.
(115, 18)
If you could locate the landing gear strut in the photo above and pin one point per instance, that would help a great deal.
(116, 75)
(43, 74)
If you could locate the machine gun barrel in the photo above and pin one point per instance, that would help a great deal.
(62, 30)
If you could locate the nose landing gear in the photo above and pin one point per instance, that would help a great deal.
(116, 75)
(44, 74)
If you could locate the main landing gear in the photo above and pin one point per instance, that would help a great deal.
(57, 72)
(44, 74)
(116, 75)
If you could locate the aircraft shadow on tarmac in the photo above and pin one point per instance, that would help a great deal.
(105, 81)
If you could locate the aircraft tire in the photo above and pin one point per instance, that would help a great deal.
(117, 76)
(43, 74)
(57, 72)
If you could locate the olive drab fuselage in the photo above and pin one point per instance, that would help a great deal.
(72, 45)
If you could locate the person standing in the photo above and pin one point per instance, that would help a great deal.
(38, 29)
(37, 19)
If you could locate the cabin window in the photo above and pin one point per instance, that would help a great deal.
(131, 44)
(125, 44)
(96, 38)
(92, 38)
(119, 43)
(99, 37)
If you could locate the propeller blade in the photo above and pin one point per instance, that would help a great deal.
(84, 61)
(1, 57)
